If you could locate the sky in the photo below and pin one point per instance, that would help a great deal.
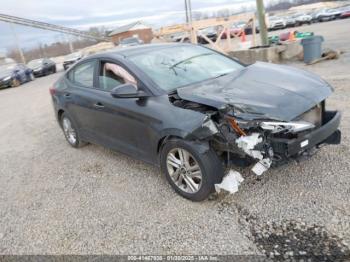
(82, 14)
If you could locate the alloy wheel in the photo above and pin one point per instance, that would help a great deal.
(184, 170)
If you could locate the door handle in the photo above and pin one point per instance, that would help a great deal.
(99, 105)
(67, 95)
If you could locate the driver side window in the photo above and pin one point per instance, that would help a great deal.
(112, 75)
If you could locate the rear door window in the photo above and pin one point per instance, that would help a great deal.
(83, 74)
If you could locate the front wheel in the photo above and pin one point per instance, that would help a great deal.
(31, 77)
(190, 172)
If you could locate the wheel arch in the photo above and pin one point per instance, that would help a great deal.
(60, 113)
(203, 145)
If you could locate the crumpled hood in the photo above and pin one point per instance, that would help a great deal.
(263, 89)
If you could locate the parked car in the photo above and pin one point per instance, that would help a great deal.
(194, 111)
(248, 28)
(13, 75)
(130, 41)
(290, 21)
(71, 59)
(276, 23)
(234, 30)
(177, 37)
(209, 32)
(345, 13)
(303, 19)
(42, 67)
(327, 15)
(313, 15)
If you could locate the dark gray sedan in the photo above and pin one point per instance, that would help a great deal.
(194, 112)
(42, 67)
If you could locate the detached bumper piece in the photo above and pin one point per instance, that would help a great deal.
(328, 133)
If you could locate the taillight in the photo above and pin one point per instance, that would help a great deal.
(52, 91)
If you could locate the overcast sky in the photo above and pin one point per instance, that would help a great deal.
(82, 14)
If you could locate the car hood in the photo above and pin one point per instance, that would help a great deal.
(5, 73)
(68, 60)
(276, 21)
(261, 90)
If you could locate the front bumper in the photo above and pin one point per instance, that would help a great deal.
(67, 64)
(5, 84)
(328, 133)
(38, 73)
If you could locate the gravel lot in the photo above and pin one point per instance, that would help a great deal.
(55, 199)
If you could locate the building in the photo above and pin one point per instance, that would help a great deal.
(136, 29)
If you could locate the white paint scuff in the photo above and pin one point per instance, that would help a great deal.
(230, 182)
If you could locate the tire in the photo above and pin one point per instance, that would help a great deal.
(31, 77)
(206, 164)
(54, 70)
(15, 83)
(70, 132)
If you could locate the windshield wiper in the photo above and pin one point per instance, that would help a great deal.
(188, 59)
(223, 74)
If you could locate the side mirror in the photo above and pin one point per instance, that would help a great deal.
(127, 91)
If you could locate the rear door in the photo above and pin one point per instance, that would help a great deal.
(80, 98)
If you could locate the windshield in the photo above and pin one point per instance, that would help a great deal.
(6, 69)
(35, 63)
(178, 66)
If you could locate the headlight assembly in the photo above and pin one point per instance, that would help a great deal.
(295, 126)
(6, 78)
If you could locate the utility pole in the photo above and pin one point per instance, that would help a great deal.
(262, 22)
(189, 21)
(17, 44)
(190, 11)
(186, 11)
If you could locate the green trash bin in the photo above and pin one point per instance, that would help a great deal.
(312, 47)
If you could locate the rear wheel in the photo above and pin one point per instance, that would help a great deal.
(15, 83)
(190, 172)
(70, 132)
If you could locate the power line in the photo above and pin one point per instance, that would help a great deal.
(47, 26)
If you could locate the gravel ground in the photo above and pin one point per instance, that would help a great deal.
(55, 199)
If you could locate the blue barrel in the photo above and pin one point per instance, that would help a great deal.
(312, 48)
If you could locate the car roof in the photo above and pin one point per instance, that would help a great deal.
(135, 50)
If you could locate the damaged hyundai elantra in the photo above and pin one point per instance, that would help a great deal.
(194, 112)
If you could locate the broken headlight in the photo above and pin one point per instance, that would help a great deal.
(294, 127)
